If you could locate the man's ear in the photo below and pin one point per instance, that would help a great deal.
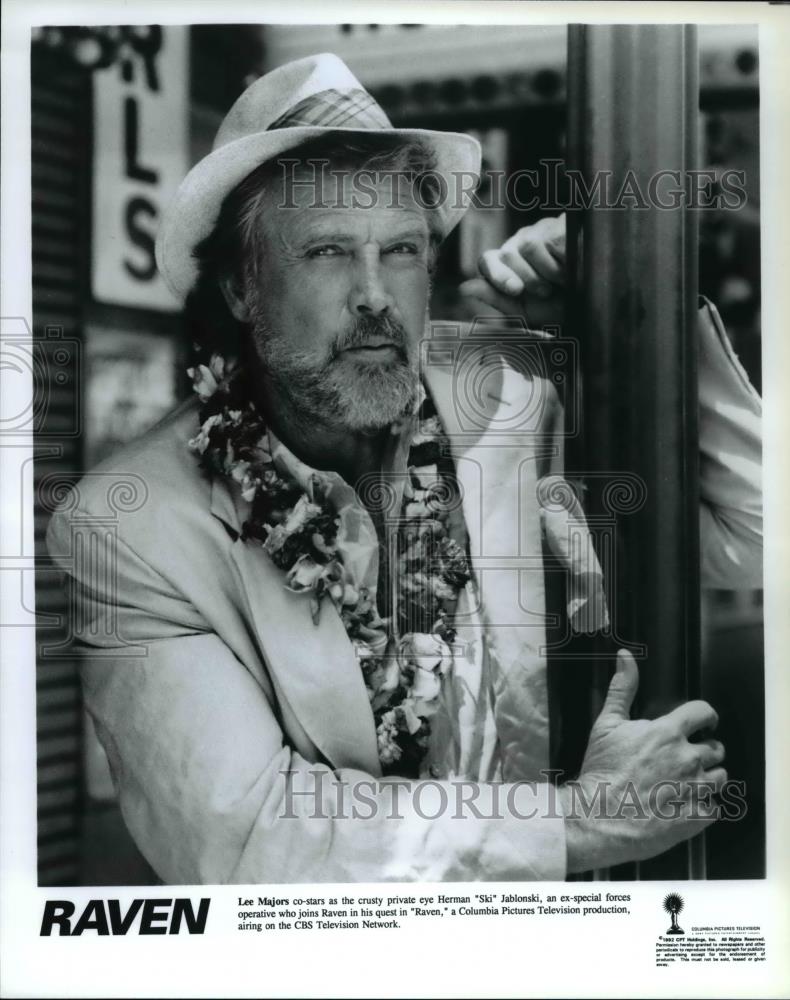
(234, 299)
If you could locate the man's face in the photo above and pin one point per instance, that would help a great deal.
(339, 300)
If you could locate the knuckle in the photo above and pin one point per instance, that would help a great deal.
(715, 750)
(666, 728)
(688, 762)
(512, 258)
(528, 245)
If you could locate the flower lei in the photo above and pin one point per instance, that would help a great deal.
(403, 657)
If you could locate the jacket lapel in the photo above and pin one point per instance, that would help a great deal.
(313, 667)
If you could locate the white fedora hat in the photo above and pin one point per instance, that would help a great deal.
(283, 109)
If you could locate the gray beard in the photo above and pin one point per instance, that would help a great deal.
(342, 391)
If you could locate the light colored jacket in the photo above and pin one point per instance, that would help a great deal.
(208, 681)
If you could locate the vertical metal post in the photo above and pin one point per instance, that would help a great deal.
(633, 100)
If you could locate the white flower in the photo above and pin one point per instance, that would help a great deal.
(413, 721)
(429, 429)
(303, 575)
(426, 685)
(386, 733)
(362, 649)
(203, 381)
(333, 576)
(240, 470)
(442, 589)
(429, 657)
(426, 652)
(320, 543)
(249, 487)
(199, 443)
(217, 366)
(303, 511)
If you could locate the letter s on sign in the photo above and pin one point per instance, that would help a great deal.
(141, 237)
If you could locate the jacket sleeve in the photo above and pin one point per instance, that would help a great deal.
(212, 793)
(730, 412)
(730, 457)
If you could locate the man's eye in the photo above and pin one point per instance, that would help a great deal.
(326, 250)
(403, 248)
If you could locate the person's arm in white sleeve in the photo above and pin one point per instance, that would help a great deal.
(527, 274)
(730, 411)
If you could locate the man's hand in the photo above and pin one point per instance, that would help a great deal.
(650, 788)
(524, 277)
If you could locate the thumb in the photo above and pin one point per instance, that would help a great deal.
(622, 689)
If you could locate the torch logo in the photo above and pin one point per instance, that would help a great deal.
(673, 904)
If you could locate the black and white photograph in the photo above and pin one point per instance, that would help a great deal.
(390, 482)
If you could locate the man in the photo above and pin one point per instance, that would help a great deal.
(310, 660)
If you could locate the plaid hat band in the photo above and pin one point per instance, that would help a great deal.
(335, 109)
(293, 104)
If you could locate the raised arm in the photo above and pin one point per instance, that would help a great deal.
(526, 275)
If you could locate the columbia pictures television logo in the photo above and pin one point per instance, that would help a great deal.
(673, 904)
(41, 388)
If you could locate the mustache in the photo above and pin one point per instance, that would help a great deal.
(366, 327)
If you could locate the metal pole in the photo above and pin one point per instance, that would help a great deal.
(633, 100)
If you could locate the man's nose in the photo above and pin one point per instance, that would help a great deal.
(369, 295)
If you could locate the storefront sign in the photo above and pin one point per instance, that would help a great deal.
(141, 154)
